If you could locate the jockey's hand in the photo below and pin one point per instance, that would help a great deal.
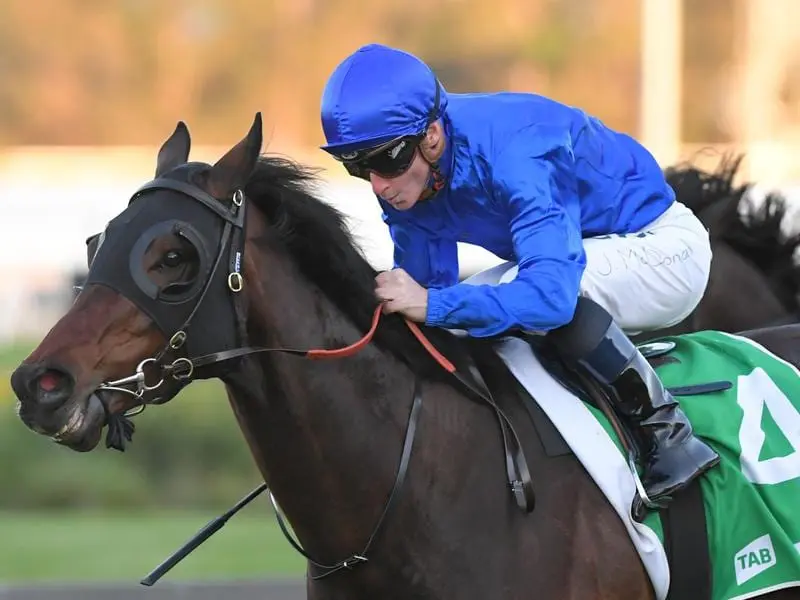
(400, 293)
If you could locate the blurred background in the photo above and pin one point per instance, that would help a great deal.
(89, 89)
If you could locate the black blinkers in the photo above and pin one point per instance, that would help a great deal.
(207, 230)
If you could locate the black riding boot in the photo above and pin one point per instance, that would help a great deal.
(672, 456)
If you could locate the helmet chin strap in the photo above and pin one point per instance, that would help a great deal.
(436, 179)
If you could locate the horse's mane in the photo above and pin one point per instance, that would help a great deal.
(704, 191)
(317, 237)
(752, 230)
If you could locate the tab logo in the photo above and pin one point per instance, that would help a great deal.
(755, 558)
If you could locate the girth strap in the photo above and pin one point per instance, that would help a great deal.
(686, 544)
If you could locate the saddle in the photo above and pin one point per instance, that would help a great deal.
(479, 370)
(482, 372)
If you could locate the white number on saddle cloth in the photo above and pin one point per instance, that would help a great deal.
(755, 393)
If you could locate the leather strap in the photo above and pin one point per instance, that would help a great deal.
(402, 470)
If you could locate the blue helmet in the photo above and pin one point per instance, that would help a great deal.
(378, 94)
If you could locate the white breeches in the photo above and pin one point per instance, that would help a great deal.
(646, 280)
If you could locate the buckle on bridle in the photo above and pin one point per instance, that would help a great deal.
(181, 368)
(235, 282)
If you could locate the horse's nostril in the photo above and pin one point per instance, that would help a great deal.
(52, 387)
(37, 383)
(51, 380)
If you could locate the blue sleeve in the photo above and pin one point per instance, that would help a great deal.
(430, 260)
(539, 192)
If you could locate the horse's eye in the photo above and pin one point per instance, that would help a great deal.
(173, 258)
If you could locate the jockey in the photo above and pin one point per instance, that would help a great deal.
(600, 244)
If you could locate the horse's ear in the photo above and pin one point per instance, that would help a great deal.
(175, 151)
(232, 171)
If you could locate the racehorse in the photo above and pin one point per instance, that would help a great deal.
(386, 465)
(754, 281)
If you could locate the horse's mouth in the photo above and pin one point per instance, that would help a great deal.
(78, 424)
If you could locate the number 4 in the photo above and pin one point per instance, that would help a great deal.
(754, 392)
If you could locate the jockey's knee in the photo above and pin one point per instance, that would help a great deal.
(650, 281)
(691, 275)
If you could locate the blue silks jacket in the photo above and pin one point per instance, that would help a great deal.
(527, 178)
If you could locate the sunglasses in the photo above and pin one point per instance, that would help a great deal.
(389, 160)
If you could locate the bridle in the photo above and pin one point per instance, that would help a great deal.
(152, 373)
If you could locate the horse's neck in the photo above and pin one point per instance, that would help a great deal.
(317, 427)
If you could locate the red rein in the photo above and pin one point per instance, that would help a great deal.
(355, 347)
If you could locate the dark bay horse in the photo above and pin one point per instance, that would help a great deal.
(239, 267)
(754, 280)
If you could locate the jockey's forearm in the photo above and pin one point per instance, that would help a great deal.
(539, 299)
